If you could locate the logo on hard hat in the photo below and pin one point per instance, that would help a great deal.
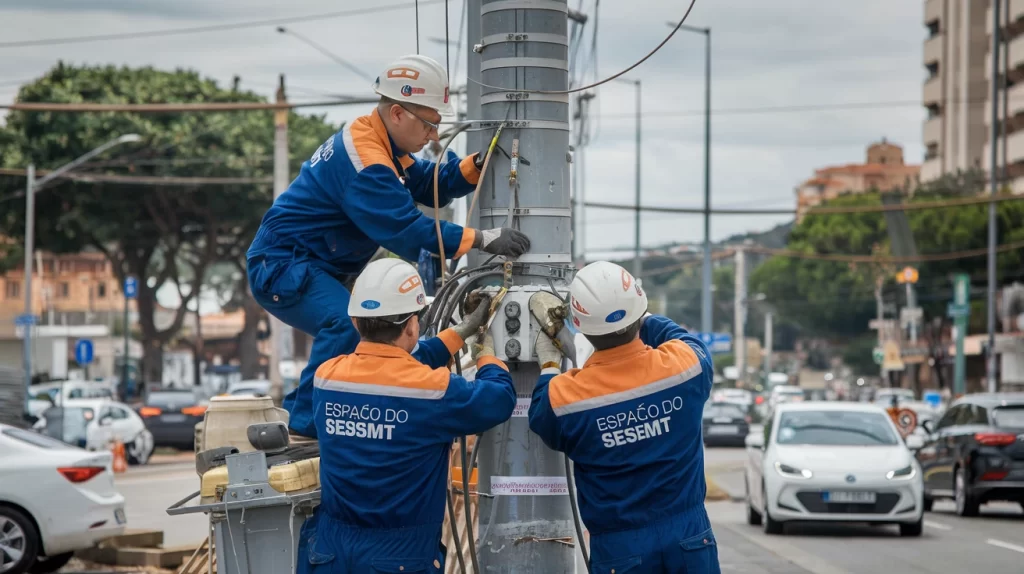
(579, 308)
(638, 291)
(410, 284)
(404, 73)
(408, 90)
(575, 320)
(370, 304)
(627, 280)
(615, 316)
(446, 94)
(421, 299)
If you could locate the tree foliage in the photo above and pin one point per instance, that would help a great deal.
(162, 233)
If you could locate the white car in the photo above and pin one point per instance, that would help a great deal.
(93, 424)
(843, 462)
(741, 397)
(54, 499)
(785, 394)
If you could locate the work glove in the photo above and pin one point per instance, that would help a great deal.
(548, 356)
(483, 346)
(504, 241)
(472, 322)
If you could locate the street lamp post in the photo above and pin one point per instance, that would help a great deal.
(33, 186)
(705, 294)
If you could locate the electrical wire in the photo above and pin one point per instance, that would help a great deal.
(571, 483)
(215, 27)
(604, 81)
(456, 539)
(447, 47)
(418, 26)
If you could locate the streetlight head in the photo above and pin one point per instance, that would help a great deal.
(129, 138)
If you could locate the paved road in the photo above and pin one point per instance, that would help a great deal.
(992, 542)
(151, 489)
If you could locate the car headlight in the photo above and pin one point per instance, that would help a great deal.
(790, 472)
(902, 474)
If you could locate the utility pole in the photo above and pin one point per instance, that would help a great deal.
(30, 235)
(637, 263)
(706, 305)
(280, 334)
(767, 344)
(524, 509)
(994, 182)
(740, 315)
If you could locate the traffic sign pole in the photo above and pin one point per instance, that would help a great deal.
(960, 311)
(30, 222)
(131, 288)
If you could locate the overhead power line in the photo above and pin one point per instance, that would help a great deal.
(951, 256)
(921, 205)
(147, 180)
(214, 27)
(175, 107)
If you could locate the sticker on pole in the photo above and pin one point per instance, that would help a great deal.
(522, 409)
(535, 485)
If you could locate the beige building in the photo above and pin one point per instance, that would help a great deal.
(957, 92)
(883, 170)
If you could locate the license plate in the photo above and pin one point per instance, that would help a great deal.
(724, 429)
(848, 496)
(119, 516)
(172, 418)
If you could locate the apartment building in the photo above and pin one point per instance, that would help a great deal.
(957, 92)
(883, 170)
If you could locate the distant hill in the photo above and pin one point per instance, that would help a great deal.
(774, 238)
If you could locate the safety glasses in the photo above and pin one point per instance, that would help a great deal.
(430, 125)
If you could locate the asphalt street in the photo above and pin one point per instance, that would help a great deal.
(992, 542)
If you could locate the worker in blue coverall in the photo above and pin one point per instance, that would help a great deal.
(630, 420)
(386, 416)
(357, 193)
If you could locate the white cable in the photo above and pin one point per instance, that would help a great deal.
(227, 519)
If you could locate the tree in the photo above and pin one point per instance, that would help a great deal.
(160, 233)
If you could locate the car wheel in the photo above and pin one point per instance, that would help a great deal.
(50, 564)
(966, 504)
(139, 450)
(19, 541)
(769, 525)
(753, 516)
(913, 528)
(928, 502)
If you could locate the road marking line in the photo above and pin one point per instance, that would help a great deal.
(937, 525)
(1005, 545)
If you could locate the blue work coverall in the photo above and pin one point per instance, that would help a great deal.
(630, 420)
(350, 198)
(386, 421)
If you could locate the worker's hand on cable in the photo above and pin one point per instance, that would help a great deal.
(473, 321)
(504, 241)
(483, 346)
(549, 357)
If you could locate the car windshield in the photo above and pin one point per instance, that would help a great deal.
(720, 410)
(165, 399)
(835, 428)
(1012, 417)
(68, 424)
(34, 439)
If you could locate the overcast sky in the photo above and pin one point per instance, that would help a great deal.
(765, 54)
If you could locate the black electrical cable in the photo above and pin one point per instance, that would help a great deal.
(455, 532)
(571, 483)
(606, 80)
(466, 471)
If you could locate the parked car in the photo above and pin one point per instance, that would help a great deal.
(785, 394)
(93, 424)
(44, 395)
(257, 387)
(832, 461)
(725, 423)
(54, 499)
(741, 397)
(883, 396)
(172, 417)
(975, 453)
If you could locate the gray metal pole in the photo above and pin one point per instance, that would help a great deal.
(516, 531)
(740, 318)
(706, 305)
(637, 263)
(280, 333)
(994, 181)
(30, 235)
(767, 344)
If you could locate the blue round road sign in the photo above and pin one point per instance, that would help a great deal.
(83, 351)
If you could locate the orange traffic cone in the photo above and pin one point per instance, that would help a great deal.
(120, 462)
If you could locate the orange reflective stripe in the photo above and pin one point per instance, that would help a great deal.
(630, 376)
(375, 368)
(452, 341)
(490, 360)
(404, 73)
(469, 170)
(371, 144)
(410, 284)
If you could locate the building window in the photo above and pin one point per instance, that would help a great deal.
(13, 290)
(101, 290)
(63, 290)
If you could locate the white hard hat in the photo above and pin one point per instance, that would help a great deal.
(605, 298)
(417, 80)
(387, 287)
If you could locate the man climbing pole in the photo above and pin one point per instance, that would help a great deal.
(357, 193)
(631, 421)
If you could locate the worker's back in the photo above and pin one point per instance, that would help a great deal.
(631, 422)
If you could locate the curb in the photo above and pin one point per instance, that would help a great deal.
(715, 493)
